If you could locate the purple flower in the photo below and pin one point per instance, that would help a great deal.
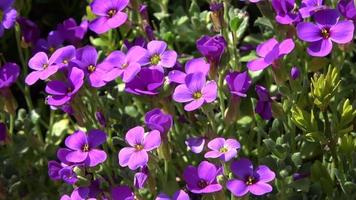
(294, 73)
(62, 92)
(254, 1)
(125, 66)
(178, 195)
(309, 7)
(196, 91)
(212, 48)
(44, 68)
(53, 42)
(122, 193)
(53, 169)
(101, 118)
(223, 149)
(68, 175)
(347, 9)
(139, 41)
(238, 83)
(157, 120)
(136, 156)
(286, 12)
(327, 29)
(62, 57)
(71, 32)
(263, 107)
(109, 15)
(249, 180)
(146, 82)
(84, 147)
(7, 15)
(192, 66)
(9, 73)
(84, 193)
(141, 177)
(196, 145)
(97, 73)
(3, 132)
(202, 179)
(29, 30)
(158, 57)
(269, 52)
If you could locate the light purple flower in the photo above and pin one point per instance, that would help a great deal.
(157, 120)
(196, 91)
(146, 82)
(110, 15)
(141, 177)
(263, 107)
(61, 92)
(269, 52)
(248, 179)
(178, 195)
(158, 57)
(44, 68)
(7, 15)
(326, 29)
(294, 73)
(238, 83)
(286, 11)
(9, 73)
(309, 7)
(122, 193)
(212, 48)
(84, 147)
(63, 56)
(84, 193)
(347, 9)
(195, 144)
(136, 156)
(202, 179)
(125, 66)
(254, 1)
(192, 66)
(223, 149)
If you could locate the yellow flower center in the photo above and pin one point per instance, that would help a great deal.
(44, 66)
(197, 95)
(223, 150)
(91, 68)
(202, 184)
(325, 33)
(86, 148)
(250, 180)
(138, 147)
(124, 65)
(1, 15)
(51, 49)
(155, 59)
(111, 13)
(65, 61)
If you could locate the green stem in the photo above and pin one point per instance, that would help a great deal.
(331, 140)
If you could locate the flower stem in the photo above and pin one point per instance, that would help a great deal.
(331, 140)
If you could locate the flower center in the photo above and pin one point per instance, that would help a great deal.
(250, 180)
(138, 147)
(155, 59)
(1, 15)
(325, 33)
(123, 66)
(223, 150)
(112, 12)
(91, 68)
(69, 90)
(197, 95)
(65, 61)
(202, 184)
(86, 148)
(51, 49)
(44, 66)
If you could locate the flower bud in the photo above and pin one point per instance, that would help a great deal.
(294, 73)
(217, 15)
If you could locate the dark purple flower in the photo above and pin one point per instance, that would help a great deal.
(327, 29)
(158, 57)
(301, 175)
(223, 149)
(136, 156)
(84, 147)
(101, 118)
(212, 48)
(286, 11)
(157, 120)
(3, 132)
(110, 15)
(263, 107)
(347, 9)
(53, 169)
(84, 193)
(7, 15)
(248, 179)
(54, 41)
(196, 145)
(68, 175)
(29, 30)
(139, 41)
(178, 195)
(122, 193)
(196, 91)
(9, 73)
(71, 32)
(125, 66)
(146, 82)
(238, 83)
(269, 52)
(61, 92)
(294, 73)
(202, 179)
(309, 7)
(192, 66)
